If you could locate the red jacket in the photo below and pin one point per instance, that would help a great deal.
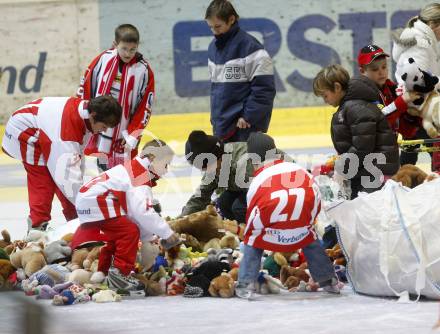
(395, 111)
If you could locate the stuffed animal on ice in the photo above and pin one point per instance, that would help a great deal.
(415, 79)
(6, 241)
(222, 286)
(427, 106)
(203, 225)
(430, 114)
(31, 258)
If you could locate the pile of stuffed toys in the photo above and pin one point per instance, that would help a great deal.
(205, 264)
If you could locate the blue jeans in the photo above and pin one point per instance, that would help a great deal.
(320, 267)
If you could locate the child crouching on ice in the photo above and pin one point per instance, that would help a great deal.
(120, 203)
(282, 203)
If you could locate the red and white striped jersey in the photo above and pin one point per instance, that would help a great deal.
(283, 202)
(124, 190)
(135, 95)
(51, 132)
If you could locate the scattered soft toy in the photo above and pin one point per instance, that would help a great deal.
(276, 260)
(50, 275)
(191, 242)
(148, 254)
(48, 292)
(416, 79)
(6, 270)
(291, 277)
(176, 283)
(82, 258)
(222, 286)
(229, 240)
(31, 258)
(200, 278)
(203, 225)
(57, 251)
(410, 176)
(336, 255)
(430, 114)
(106, 296)
(214, 243)
(6, 241)
(266, 284)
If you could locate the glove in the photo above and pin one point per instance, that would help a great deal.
(172, 241)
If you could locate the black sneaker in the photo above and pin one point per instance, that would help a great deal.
(116, 280)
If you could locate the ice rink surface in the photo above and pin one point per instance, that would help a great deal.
(291, 313)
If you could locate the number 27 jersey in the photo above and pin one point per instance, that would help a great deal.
(283, 202)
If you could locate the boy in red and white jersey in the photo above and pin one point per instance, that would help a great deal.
(123, 73)
(48, 135)
(282, 203)
(119, 202)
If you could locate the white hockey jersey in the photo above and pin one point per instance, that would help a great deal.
(124, 190)
(51, 132)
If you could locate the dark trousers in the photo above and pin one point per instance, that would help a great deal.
(411, 157)
(232, 205)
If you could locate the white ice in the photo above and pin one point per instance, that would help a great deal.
(287, 313)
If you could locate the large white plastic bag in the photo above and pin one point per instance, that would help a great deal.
(330, 191)
(391, 240)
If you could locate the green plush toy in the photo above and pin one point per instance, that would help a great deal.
(3, 254)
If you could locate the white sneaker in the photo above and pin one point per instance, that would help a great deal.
(245, 291)
(331, 286)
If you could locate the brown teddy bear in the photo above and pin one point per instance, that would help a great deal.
(31, 258)
(336, 255)
(191, 241)
(6, 239)
(82, 258)
(203, 225)
(6, 269)
(410, 176)
(229, 240)
(222, 286)
(291, 277)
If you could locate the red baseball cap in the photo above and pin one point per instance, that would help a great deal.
(369, 53)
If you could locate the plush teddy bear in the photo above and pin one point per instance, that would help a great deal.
(51, 275)
(106, 296)
(417, 80)
(222, 286)
(57, 251)
(276, 260)
(148, 253)
(6, 269)
(214, 243)
(84, 257)
(229, 240)
(203, 225)
(82, 276)
(430, 114)
(336, 255)
(291, 277)
(191, 242)
(410, 176)
(266, 284)
(6, 239)
(31, 258)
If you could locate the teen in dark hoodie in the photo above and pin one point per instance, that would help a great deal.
(358, 127)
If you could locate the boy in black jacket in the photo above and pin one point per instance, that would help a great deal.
(358, 128)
